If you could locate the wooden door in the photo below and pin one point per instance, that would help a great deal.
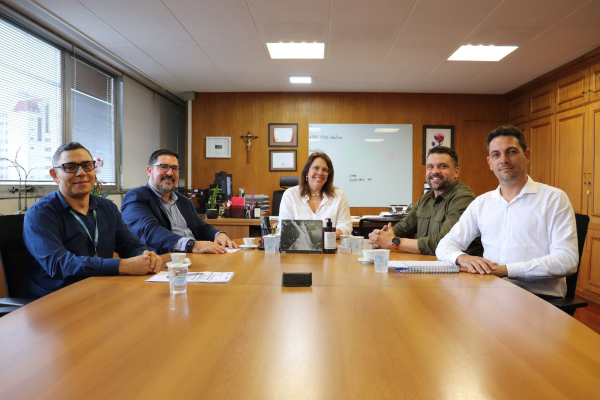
(569, 167)
(518, 109)
(542, 101)
(593, 162)
(542, 147)
(572, 90)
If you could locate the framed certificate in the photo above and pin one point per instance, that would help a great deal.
(282, 160)
(283, 135)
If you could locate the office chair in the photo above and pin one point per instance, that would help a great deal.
(569, 304)
(285, 182)
(367, 225)
(12, 258)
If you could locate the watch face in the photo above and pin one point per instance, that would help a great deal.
(396, 241)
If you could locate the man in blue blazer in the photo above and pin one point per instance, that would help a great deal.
(167, 221)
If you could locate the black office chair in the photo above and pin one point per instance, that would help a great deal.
(569, 304)
(12, 259)
(285, 182)
(367, 225)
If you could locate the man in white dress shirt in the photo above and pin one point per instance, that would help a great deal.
(527, 228)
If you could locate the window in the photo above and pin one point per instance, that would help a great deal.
(93, 110)
(30, 91)
(32, 86)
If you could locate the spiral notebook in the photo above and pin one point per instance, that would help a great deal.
(424, 267)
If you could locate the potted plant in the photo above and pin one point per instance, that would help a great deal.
(211, 209)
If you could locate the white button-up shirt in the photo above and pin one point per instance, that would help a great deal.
(294, 206)
(534, 235)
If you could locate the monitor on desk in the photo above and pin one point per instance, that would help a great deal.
(224, 181)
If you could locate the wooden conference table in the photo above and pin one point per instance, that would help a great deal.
(354, 335)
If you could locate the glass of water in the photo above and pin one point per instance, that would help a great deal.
(177, 277)
(346, 241)
(271, 243)
(381, 258)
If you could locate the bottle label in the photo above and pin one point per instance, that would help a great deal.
(329, 241)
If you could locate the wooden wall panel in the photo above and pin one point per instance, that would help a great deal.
(518, 109)
(595, 82)
(235, 114)
(474, 169)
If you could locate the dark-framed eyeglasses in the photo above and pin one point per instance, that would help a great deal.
(166, 167)
(72, 167)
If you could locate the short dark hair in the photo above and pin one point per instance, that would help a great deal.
(444, 150)
(162, 152)
(67, 147)
(507, 130)
(328, 186)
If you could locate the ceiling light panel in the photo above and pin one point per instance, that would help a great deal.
(300, 79)
(481, 53)
(305, 51)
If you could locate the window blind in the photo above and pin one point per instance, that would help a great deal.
(30, 104)
(93, 115)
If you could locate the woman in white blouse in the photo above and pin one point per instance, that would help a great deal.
(316, 198)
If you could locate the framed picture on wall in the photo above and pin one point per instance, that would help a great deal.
(437, 135)
(283, 135)
(218, 147)
(282, 160)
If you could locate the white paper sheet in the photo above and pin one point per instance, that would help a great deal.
(283, 160)
(196, 277)
(283, 134)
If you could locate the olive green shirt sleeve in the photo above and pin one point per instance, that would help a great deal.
(407, 226)
(456, 206)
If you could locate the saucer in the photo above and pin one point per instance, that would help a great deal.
(366, 261)
(244, 247)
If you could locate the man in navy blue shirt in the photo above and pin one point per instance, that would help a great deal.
(72, 234)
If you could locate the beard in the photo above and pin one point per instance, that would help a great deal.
(443, 184)
(165, 185)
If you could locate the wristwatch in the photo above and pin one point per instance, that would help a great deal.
(189, 246)
(395, 243)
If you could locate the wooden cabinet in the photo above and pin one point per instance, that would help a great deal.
(541, 143)
(595, 82)
(570, 169)
(542, 101)
(588, 281)
(593, 145)
(572, 90)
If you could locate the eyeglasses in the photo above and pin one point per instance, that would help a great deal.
(165, 167)
(72, 167)
(323, 170)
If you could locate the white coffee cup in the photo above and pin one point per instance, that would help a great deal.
(249, 241)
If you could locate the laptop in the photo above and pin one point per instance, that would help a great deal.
(301, 236)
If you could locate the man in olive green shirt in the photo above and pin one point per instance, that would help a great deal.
(435, 213)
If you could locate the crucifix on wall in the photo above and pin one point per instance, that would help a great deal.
(248, 137)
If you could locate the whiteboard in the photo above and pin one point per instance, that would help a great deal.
(373, 168)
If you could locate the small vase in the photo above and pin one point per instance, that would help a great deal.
(212, 213)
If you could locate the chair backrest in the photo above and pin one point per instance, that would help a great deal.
(582, 222)
(285, 182)
(367, 225)
(13, 254)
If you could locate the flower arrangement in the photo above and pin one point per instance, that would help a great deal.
(97, 190)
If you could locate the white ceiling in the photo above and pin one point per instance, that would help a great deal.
(370, 46)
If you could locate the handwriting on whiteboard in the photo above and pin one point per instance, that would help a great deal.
(356, 178)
